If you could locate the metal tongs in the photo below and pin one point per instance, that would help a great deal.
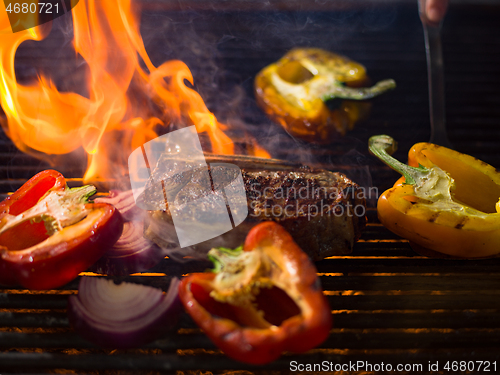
(433, 49)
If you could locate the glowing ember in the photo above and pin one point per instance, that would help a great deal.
(106, 35)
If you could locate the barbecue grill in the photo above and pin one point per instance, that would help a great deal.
(390, 305)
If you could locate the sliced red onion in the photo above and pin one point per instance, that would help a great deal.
(131, 253)
(123, 316)
(125, 203)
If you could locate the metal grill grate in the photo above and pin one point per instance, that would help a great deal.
(389, 304)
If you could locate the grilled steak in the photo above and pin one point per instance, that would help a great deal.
(323, 211)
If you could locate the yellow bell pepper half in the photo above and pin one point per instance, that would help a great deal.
(446, 201)
(298, 92)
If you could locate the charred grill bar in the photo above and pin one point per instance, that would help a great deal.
(389, 304)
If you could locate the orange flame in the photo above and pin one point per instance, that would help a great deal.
(106, 35)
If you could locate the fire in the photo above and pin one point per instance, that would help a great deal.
(40, 119)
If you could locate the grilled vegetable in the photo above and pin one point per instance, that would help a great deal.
(297, 92)
(125, 203)
(447, 202)
(122, 315)
(49, 233)
(260, 300)
(132, 252)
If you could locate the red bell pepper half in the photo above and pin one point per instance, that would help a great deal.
(260, 300)
(49, 233)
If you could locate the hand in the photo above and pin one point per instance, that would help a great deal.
(434, 10)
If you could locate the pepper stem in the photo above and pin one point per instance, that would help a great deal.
(82, 193)
(359, 93)
(382, 146)
(220, 256)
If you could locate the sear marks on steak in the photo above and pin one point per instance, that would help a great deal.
(323, 211)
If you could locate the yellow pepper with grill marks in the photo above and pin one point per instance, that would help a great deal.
(298, 91)
(446, 201)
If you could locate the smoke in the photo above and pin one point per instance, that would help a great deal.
(225, 48)
(355, 165)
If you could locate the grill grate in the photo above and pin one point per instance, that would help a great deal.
(389, 304)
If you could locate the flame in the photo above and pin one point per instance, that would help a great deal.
(40, 119)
